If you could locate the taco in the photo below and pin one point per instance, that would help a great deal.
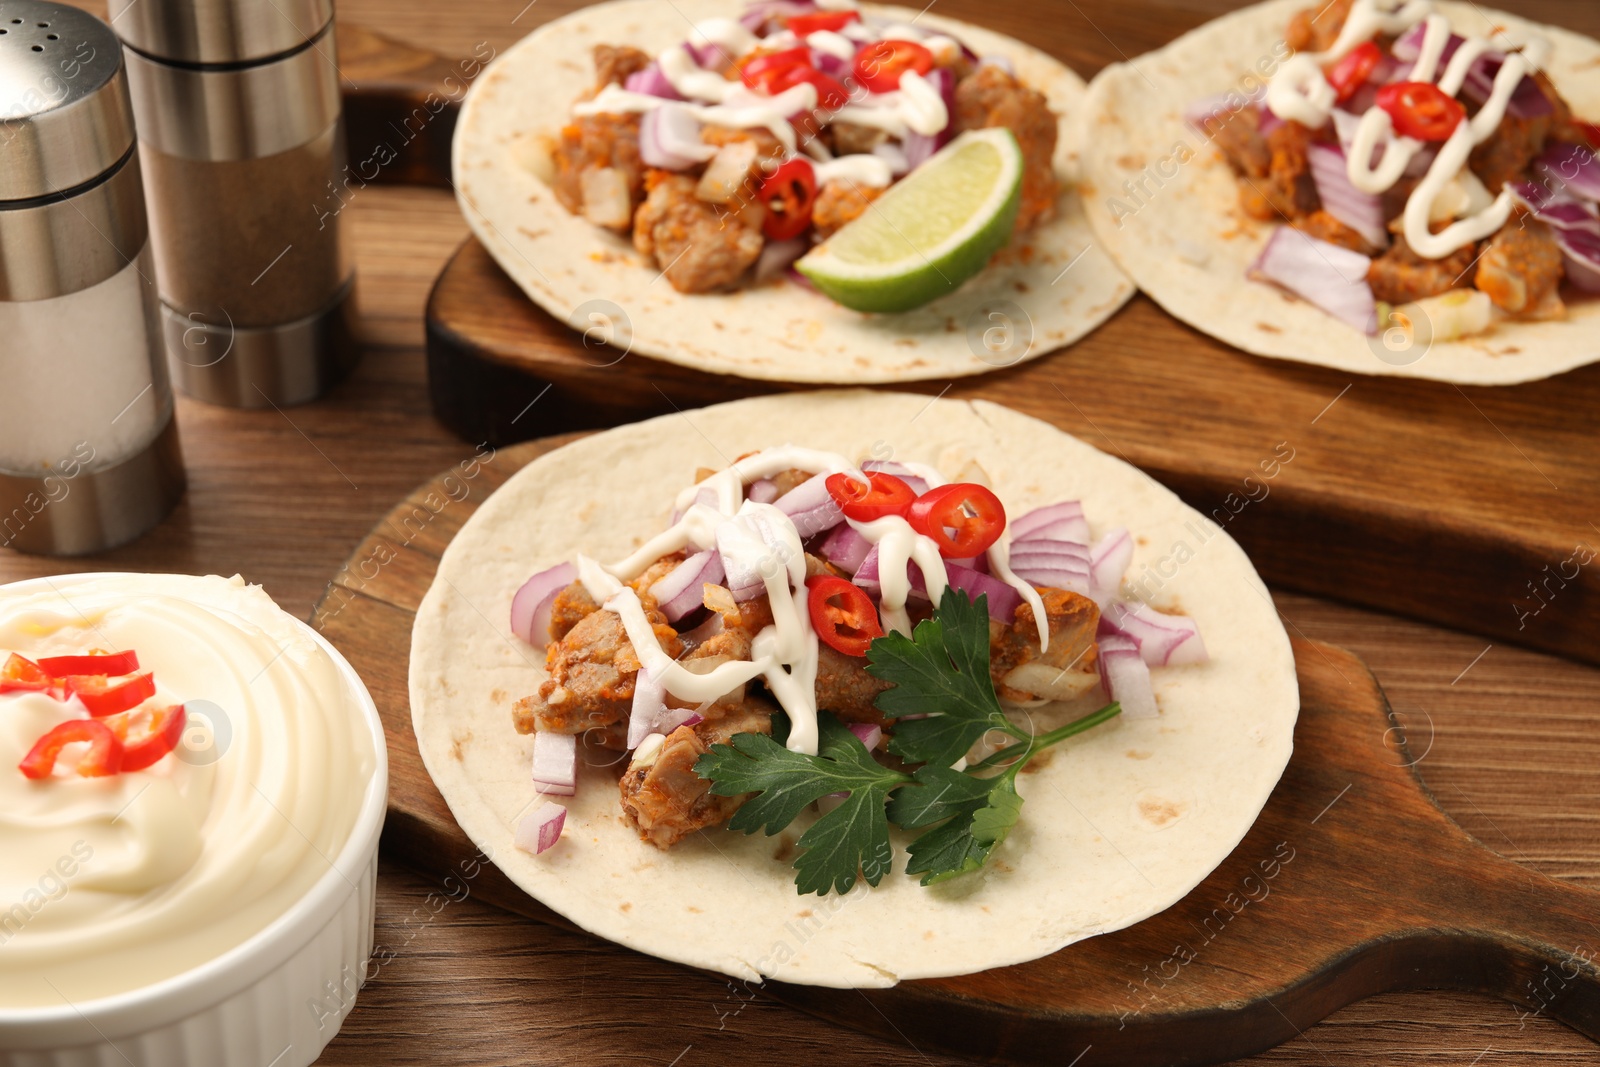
(725, 629)
(1381, 187)
(651, 173)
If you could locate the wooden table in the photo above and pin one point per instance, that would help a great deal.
(1507, 737)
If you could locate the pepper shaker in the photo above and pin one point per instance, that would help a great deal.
(89, 454)
(241, 136)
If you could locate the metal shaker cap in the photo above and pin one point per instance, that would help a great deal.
(65, 118)
(218, 31)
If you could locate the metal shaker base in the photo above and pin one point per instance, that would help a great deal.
(263, 366)
(54, 515)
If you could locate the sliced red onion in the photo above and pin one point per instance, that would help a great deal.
(894, 155)
(1108, 562)
(918, 484)
(1408, 46)
(1332, 278)
(1055, 522)
(1581, 250)
(867, 733)
(1573, 167)
(1053, 577)
(1063, 554)
(810, 506)
(1269, 120)
(651, 81)
(672, 718)
(1202, 112)
(1362, 212)
(707, 496)
(762, 491)
(776, 257)
(1527, 99)
(801, 280)
(1003, 600)
(919, 147)
(759, 18)
(669, 137)
(555, 763)
(693, 639)
(649, 702)
(683, 588)
(1126, 677)
(833, 66)
(867, 576)
(845, 548)
(1163, 640)
(530, 607)
(1556, 206)
(541, 828)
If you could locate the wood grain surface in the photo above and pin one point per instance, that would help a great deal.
(1199, 983)
(1506, 737)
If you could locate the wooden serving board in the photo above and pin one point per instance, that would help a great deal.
(1351, 883)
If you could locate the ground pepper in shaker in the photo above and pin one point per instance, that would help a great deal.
(89, 454)
(241, 135)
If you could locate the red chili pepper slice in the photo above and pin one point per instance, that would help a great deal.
(164, 732)
(842, 614)
(758, 71)
(822, 20)
(21, 675)
(1352, 71)
(789, 193)
(883, 495)
(104, 697)
(111, 664)
(879, 65)
(1421, 110)
(963, 519)
(103, 757)
(831, 94)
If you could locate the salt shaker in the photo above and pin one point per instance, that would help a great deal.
(242, 139)
(89, 454)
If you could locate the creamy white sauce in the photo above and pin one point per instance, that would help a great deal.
(898, 544)
(1299, 92)
(834, 44)
(856, 169)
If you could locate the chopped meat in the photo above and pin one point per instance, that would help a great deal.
(1237, 135)
(1316, 28)
(664, 798)
(1508, 151)
(1066, 668)
(569, 608)
(1400, 276)
(1522, 267)
(768, 147)
(699, 248)
(1290, 188)
(589, 151)
(845, 688)
(991, 97)
(1324, 227)
(851, 139)
(613, 64)
(592, 672)
(840, 202)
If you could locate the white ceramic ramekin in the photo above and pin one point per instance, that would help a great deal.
(274, 1001)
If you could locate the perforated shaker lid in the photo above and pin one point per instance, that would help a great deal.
(218, 31)
(65, 118)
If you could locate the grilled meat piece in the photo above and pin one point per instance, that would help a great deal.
(613, 64)
(700, 248)
(840, 202)
(1522, 268)
(845, 688)
(990, 97)
(597, 170)
(569, 608)
(664, 798)
(1316, 28)
(1066, 668)
(1324, 227)
(1400, 276)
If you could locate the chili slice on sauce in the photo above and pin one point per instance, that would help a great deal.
(1421, 110)
(103, 696)
(789, 193)
(879, 65)
(1352, 71)
(962, 518)
(164, 731)
(21, 675)
(842, 614)
(102, 663)
(821, 20)
(103, 757)
(883, 494)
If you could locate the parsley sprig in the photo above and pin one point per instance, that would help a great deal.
(942, 702)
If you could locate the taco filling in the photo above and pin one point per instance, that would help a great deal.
(806, 628)
(1438, 180)
(729, 155)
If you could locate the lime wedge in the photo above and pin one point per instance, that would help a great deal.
(927, 234)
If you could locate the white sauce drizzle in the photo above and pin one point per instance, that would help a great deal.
(856, 169)
(898, 544)
(1299, 92)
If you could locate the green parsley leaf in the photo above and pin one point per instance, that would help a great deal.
(980, 812)
(851, 840)
(942, 671)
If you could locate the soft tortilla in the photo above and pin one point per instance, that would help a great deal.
(1188, 245)
(1037, 289)
(1118, 825)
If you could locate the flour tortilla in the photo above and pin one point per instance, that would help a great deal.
(1187, 243)
(1118, 825)
(584, 275)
